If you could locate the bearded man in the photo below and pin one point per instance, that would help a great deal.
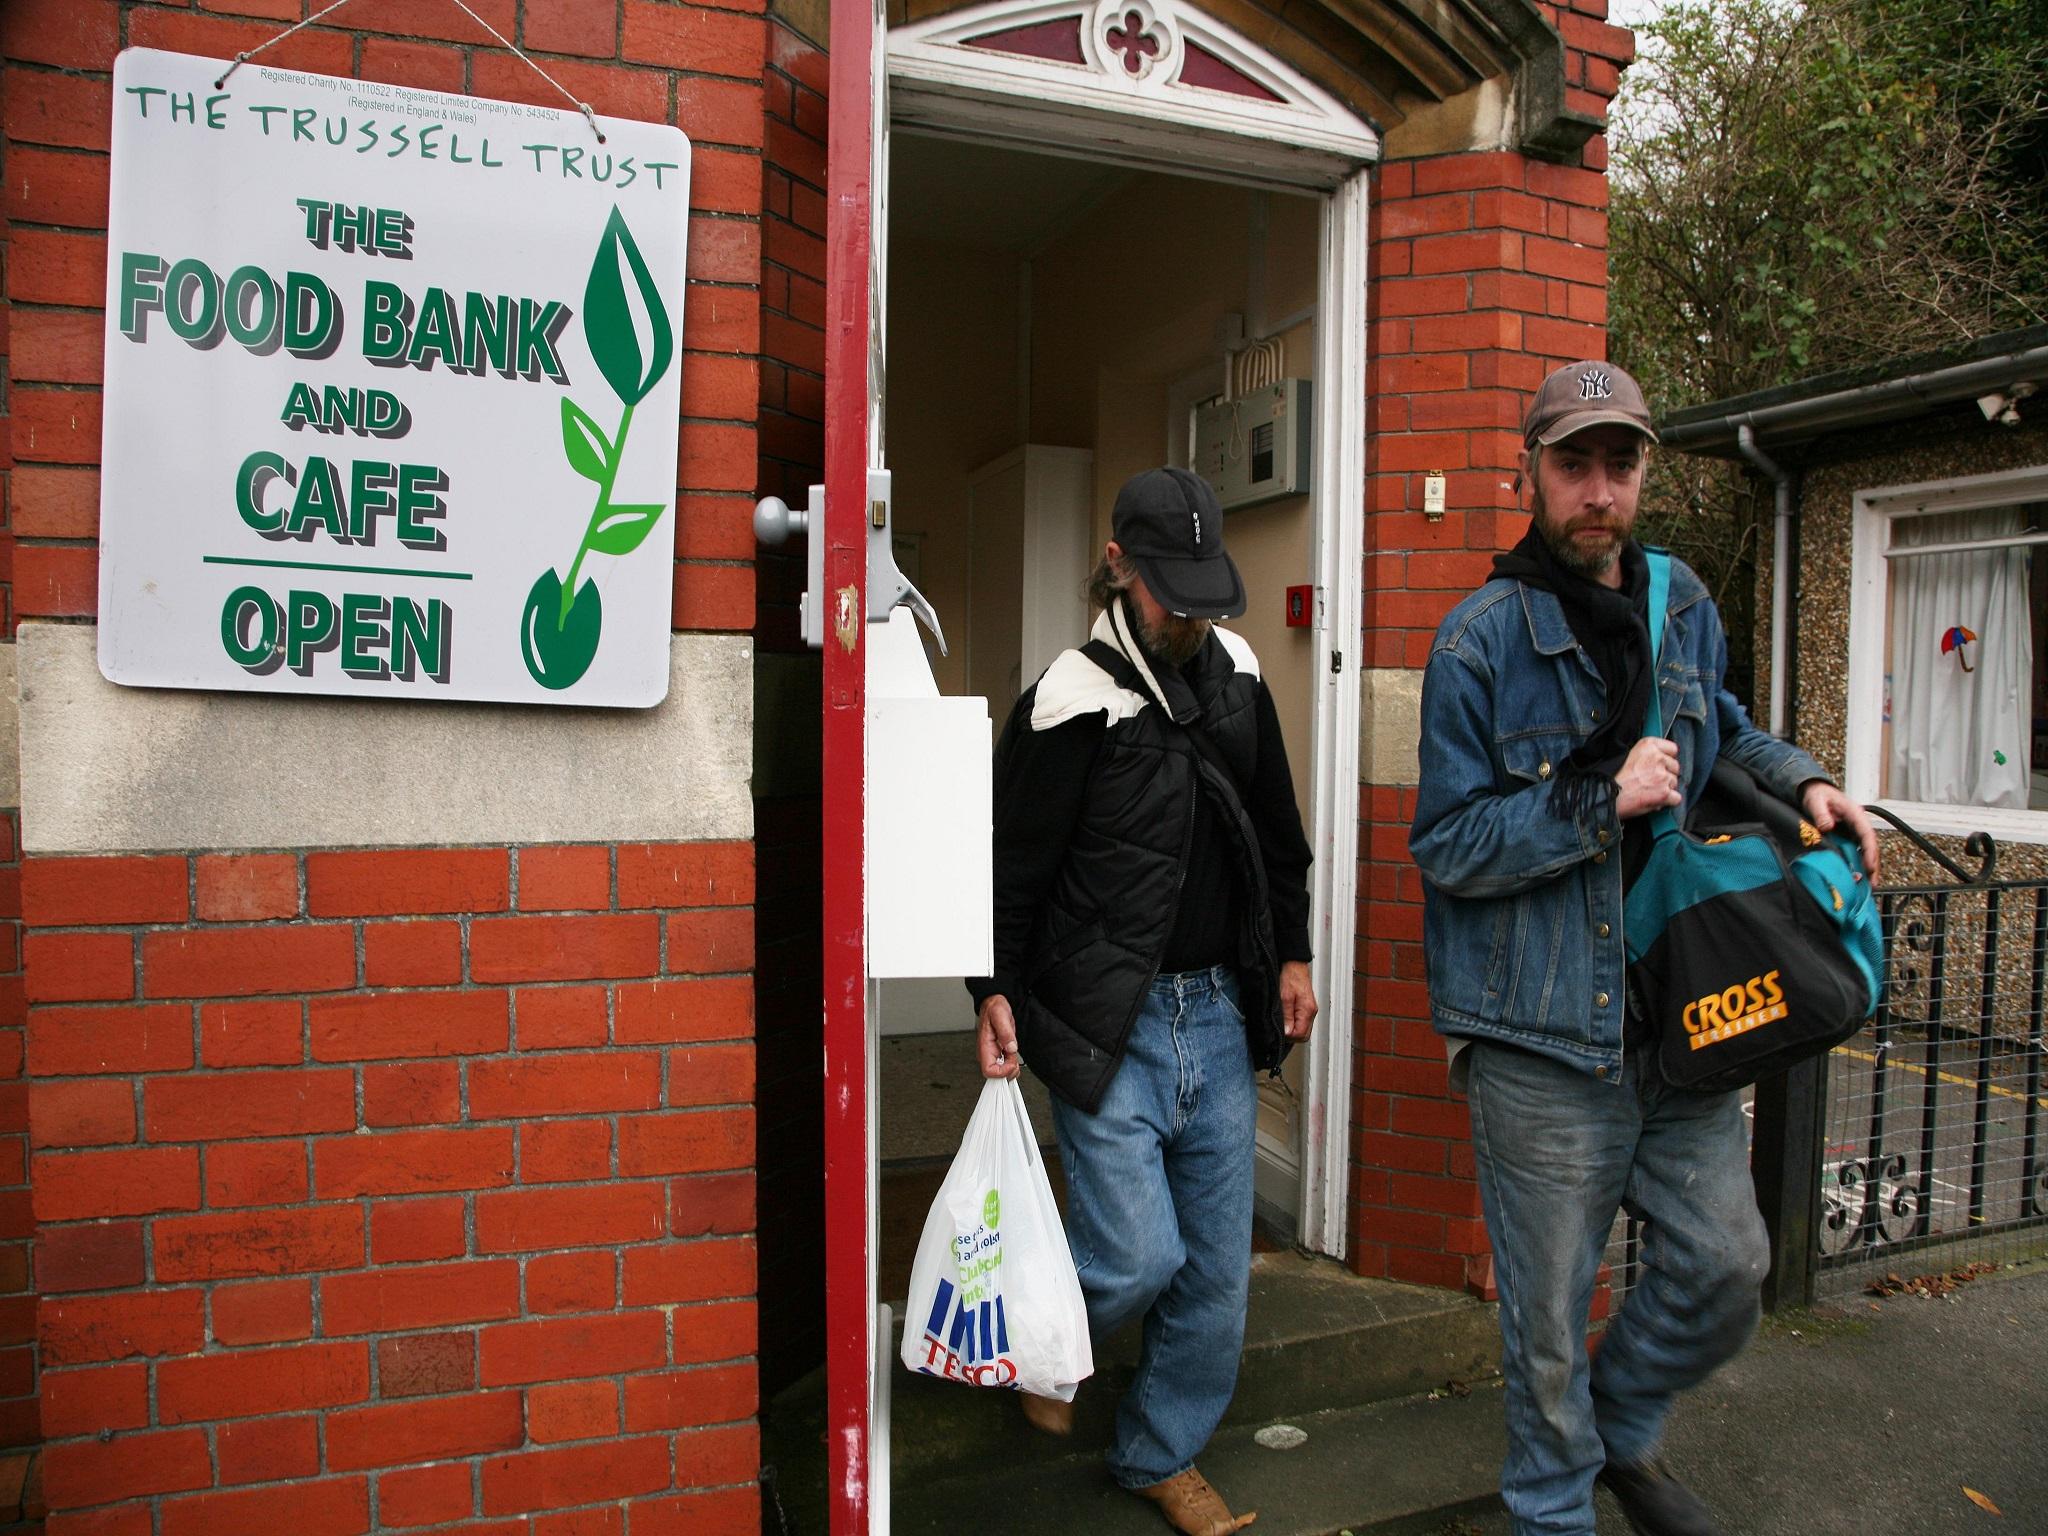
(1151, 950)
(1530, 823)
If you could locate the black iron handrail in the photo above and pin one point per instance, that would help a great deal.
(1880, 1198)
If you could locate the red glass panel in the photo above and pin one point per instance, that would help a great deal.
(1203, 68)
(1059, 41)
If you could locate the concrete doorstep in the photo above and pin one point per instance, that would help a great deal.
(1359, 1371)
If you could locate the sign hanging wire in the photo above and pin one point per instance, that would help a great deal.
(524, 58)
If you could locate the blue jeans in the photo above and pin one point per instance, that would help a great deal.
(1159, 1215)
(1559, 1153)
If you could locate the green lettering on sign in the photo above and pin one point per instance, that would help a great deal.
(312, 316)
(255, 648)
(319, 501)
(419, 487)
(387, 313)
(193, 309)
(257, 471)
(362, 625)
(309, 628)
(419, 639)
(251, 308)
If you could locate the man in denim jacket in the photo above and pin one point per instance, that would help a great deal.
(1530, 821)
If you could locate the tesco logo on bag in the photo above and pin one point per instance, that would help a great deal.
(967, 1341)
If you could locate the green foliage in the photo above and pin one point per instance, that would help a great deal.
(1799, 188)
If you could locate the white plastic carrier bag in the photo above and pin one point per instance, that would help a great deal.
(993, 1297)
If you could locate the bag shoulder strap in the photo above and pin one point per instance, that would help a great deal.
(1125, 675)
(1655, 607)
(1658, 603)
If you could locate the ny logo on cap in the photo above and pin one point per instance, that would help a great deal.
(1595, 385)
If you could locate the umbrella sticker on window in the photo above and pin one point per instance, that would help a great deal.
(1956, 638)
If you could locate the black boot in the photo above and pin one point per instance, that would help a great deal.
(1656, 1503)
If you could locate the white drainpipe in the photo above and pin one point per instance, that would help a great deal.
(1781, 572)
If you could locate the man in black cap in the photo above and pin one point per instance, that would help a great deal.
(1531, 820)
(1152, 949)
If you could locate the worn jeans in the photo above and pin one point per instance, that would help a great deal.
(1159, 1215)
(1559, 1152)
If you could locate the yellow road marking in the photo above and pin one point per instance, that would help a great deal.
(1946, 1077)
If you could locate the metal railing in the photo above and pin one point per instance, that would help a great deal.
(1930, 1127)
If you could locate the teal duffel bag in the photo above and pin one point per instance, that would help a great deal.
(1752, 944)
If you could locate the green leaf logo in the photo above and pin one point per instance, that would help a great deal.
(991, 1210)
(623, 529)
(583, 440)
(629, 333)
(623, 316)
(558, 651)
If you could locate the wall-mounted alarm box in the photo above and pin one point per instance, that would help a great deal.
(1256, 448)
(1301, 607)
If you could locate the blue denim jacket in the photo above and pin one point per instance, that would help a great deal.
(1522, 907)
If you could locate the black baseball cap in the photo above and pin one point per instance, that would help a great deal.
(1170, 526)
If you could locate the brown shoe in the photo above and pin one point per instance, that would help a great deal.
(1047, 1415)
(1192, 1507)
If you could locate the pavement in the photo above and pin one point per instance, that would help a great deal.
(1864, 1417)
(1868, 1417)
(1871, 1417)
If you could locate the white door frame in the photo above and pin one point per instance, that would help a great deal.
(1339, 545)
(1305, 139)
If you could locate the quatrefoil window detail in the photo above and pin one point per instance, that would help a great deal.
(1135, 43)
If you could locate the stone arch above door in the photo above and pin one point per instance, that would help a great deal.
(1439, 72)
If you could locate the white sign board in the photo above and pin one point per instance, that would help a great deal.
(392, 386)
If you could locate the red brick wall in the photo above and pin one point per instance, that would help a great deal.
(1489, 269)
(787, 827)
(18, 1426)
(410, 1187)
(7, 203)
(416, 1182)
(698, 66)
(792, 444)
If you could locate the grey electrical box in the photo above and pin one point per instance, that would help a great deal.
(1256, 448)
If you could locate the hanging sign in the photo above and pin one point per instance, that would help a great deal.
(391, 390)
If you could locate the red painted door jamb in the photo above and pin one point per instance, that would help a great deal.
(849, 212)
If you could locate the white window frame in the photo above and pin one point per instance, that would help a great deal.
(1869, 598)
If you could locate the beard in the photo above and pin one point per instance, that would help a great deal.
(1580, 555)
(1173, 639)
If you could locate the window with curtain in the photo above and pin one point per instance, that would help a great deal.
(1966, 688)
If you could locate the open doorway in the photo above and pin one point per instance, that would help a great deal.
(1054, 326)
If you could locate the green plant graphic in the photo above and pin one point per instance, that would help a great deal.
(628, 330)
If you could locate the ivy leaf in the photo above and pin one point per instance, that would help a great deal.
(624, 319)
(583, 440)
(623, 529)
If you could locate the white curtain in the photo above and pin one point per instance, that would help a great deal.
(1961, 737)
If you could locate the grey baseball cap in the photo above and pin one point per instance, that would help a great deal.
(1582, 395)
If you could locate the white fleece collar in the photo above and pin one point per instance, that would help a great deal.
(1110, 626)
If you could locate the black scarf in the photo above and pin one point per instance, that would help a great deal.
(1613, 630)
